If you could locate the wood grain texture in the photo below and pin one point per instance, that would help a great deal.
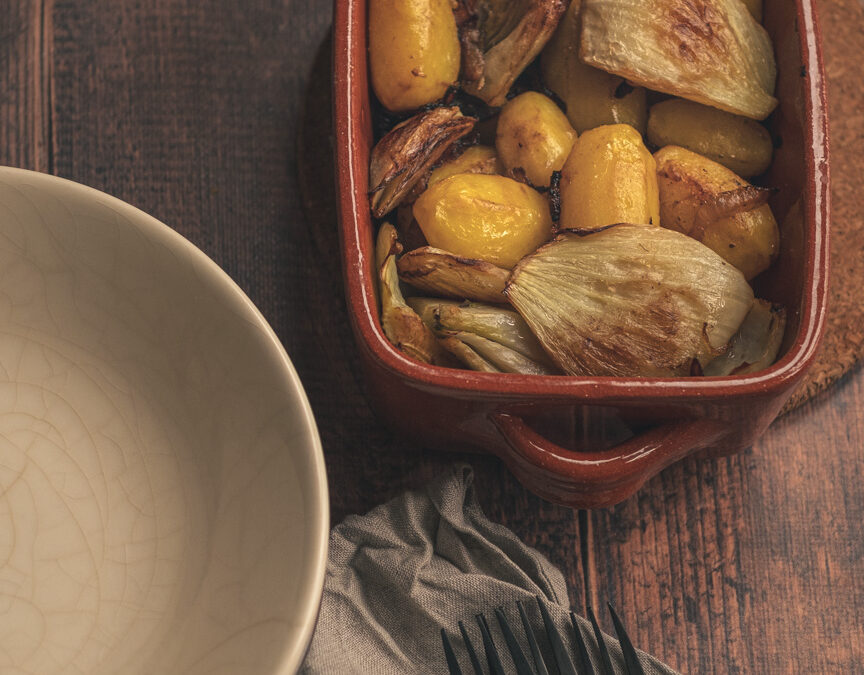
(755, 561)
(25, 84)
(750, 563)
(190, 110)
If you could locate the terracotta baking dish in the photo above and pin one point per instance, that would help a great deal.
(554, 432)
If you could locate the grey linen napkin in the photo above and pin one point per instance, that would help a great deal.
(421, 562)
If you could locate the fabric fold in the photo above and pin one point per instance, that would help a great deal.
(422, 562)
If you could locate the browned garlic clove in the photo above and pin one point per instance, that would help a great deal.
(514, 31)
(444, 274)
(402, 157)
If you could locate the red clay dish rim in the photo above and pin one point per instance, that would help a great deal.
(349, 90)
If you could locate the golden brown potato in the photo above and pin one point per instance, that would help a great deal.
(534, 135)
(609, 177)
(489, 218)
(738, 143)
(414, 51)
(476, 159)
(593, 97)
(708, 202)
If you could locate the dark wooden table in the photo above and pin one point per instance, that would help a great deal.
(189, 110)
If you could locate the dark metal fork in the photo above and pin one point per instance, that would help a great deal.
(562, 659)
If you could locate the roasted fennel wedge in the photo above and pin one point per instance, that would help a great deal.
(710, 51)
(467, 356)
(756, 344)
(503, 358)
(405, 330)
(630, 301)
(493, 323)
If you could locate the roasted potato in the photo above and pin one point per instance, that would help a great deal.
(535, 136)
(738, 143)
(593, 97)
(609, 177)
(489, 218)
(414, 51)
(707, 201)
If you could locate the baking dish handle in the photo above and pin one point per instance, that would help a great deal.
(599, 479)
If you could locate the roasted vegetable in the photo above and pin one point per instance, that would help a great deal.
(593, 97)
(514, 32)
(708, 202)
(535, 136)
(710, 51)
(756, 344)
(444, 274)
(489, 218)
(504, 359)
(475, 159)
(401, 324)
(413, 51)
(610, 177)
(738, 143)
(493, 323)
(403, 156)
(466, 355)
(629, 300)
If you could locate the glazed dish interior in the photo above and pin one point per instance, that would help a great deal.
(786, 282)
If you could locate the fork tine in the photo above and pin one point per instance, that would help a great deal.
(519, 660)
(495, 666)
(539, 663)
(472, 654)
(565, 665)
(631, 660)
(587, 668)
(452, 663)
(605, 659)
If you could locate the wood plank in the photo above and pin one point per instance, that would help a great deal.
(25, 85)
(753, 563)
(188, 110)
(750, 563)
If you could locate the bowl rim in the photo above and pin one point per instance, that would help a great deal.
(351, 119)
(317, 512)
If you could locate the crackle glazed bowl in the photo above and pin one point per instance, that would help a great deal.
(591, 442)
(163, 500)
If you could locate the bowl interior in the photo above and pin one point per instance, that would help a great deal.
(164, 503)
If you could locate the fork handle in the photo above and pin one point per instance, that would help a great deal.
(598, 479)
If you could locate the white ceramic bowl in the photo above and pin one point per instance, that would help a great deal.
(163, 499)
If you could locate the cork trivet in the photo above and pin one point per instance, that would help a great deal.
(842, 23)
